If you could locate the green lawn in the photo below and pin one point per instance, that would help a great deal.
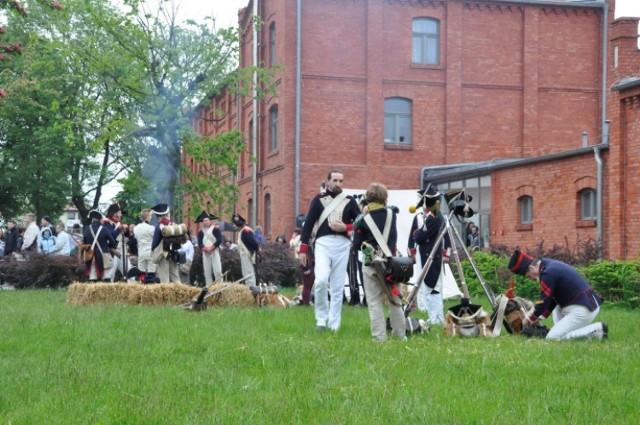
(163, 365)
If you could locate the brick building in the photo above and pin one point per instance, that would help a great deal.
(509, 98)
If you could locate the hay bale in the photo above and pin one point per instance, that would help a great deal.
(79, 293)
(235, 295)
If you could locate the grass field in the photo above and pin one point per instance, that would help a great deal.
(162, 365)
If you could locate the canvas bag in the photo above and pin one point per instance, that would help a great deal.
(395, 269)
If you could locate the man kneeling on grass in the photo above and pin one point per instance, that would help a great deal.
(563, 292)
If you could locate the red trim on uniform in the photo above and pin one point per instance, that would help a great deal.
(412, 252)
(546, 290)
(349, 227)
(303, 248)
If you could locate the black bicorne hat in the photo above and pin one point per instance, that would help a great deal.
(204, 215)
(160, 209)
(520, 262)
(428, 197)
(238, 220)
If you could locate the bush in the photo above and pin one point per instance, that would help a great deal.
(616, 281)
(277, 266)
(41, 271)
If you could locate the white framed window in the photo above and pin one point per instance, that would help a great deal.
(397, 121)
(525, 204)
(426, 41)
(588, 204)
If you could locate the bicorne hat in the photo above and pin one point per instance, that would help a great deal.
(238, 220)
(204, 215)
(428, 197)
(160, 209)
(95, 214)
(520, 262)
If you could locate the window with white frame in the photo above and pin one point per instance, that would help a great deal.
(426, 41)
(588, 204)
(526, 209)
(397, 121)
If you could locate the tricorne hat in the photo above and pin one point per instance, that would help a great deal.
(95, 214)
(238, 220)
(160, 209)
(520, 262)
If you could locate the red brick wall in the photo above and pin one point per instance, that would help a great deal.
(514, 81)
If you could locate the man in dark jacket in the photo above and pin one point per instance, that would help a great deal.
(563, 292)
(12, 238)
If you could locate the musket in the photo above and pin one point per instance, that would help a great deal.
(200, 297)
(199, 302)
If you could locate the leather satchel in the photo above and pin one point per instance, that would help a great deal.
(393, 269)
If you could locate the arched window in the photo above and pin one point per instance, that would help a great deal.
(525, 204)
(397, 121)
(267, 215)
(426, 41)
(588, 204)
(272, 44)
(273, 128)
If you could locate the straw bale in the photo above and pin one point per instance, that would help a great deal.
(156, 294)
(235, 295)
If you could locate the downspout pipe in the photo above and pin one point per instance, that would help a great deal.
(605, 129)
(296, 202)
(254, 127)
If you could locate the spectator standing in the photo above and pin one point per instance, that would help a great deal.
(63, 242)
(188, 251)
(30, 238)
(259, 235)
(47, 241)
(12, 234)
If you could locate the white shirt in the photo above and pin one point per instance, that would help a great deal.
(187, 248)
(30, 235)
(63, 245)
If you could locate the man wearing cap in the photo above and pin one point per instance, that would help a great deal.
(563, 292)
(168, 270)
(248, 248)
(425, 229)
(94, 269)
(209, 240)
(143, 233)
(326, 228)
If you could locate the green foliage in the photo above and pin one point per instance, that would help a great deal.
(163, 365)
(616, 281)
(211, 186)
